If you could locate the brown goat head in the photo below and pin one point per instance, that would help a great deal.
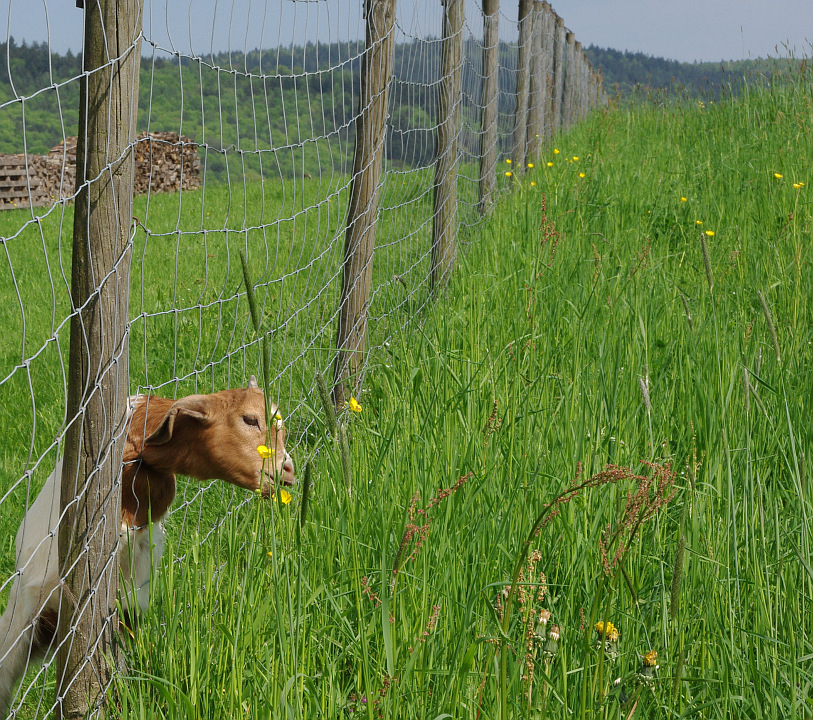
(207, 437)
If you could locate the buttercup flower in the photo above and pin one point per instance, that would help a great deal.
(798, 185)
(575, 158)
(550, 164)
(683, 199)
(778, 176)
(284, 497)
(508, 160)
(533, 184)
(508, 173)
(581, 175)
(698, 222)
(555, 151)
(530, 165)
(354, 405)
(710, 233)
(266, 453)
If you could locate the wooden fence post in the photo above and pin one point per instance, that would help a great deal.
(548, 30)
(536, 93)
(523, 76)
(98, 382)
(558, 74)
(488, 129)
(569, 92)
(444, 226)
(362, 209)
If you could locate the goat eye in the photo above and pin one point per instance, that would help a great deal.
(251, 420)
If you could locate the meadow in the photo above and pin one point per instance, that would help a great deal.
(579, 482)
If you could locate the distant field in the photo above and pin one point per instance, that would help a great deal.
(582, 327)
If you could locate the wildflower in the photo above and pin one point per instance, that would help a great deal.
(354, 405)
(555, 151)
(607, 637)
(551, 648)
(798, 185)
(266, 453)
(284, 497)
(698, 222)
(531, 166)
(649, 664)
(778, 176)
(550, 164)
(508, 160)
(575, 158)
(581, 175)
(683, 199)
(508, 173)
(710, 233)
(533, 184)
(270, 553)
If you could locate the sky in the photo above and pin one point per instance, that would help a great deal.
(685, 30)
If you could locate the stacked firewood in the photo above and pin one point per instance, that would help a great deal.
(164, 162)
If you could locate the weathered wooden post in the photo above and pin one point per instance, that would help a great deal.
(536, 93)
(98, 382)
(548, 29)
(569, 92)
(362, 209)
(523, 81)
(488, 129)
(444, 226)
(559, 44)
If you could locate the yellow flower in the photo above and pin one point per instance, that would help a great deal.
(575, 158)
(651, 658)
(508, 160)
(533, 184)
(266, 453)
(550, 164)
(354, 405)
(710, 233)
(798, 185)
(277, 417)
(555, 151)
(284, 497)
(508, 173)
(698, 222)
(270, 553)
(778, 176)
(582, 175)
(607, 630)
(683, 199)
(530, 165)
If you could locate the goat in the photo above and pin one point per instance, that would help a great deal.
(203, 436)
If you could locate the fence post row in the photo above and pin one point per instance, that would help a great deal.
(450, 89)
(488, 135)
(362, 209)
(536, 94)
(98, 372)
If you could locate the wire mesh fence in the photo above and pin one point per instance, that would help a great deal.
(248, 138)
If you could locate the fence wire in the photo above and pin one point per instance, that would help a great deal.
(247, 114)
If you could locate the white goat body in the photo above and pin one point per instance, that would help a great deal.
(204, 436)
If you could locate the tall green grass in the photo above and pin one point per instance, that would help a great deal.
(583, 328)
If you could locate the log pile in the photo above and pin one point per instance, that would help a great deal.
(164, 162)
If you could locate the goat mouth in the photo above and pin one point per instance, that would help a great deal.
(271, 480)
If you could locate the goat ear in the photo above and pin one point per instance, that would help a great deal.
(193, 406)
(252, 383)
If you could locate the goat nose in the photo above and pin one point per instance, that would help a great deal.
(288, 466)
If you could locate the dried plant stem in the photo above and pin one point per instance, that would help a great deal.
(771, 327)
(707, 262)
(327, 404)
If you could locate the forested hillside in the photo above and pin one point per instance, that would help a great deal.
(299, 103)
(623, 71)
